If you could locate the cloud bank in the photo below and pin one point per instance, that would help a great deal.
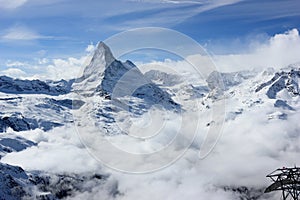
(48, 69)
(278, 52)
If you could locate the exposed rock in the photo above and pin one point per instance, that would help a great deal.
(18, 122)
(12, 143)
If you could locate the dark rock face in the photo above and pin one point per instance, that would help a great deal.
(17, 86)
(59, 105)
(59, 186)
(244, 193)
(20, 123)
(12, 180)
(14, 144)
(283, 104)
(16, 184)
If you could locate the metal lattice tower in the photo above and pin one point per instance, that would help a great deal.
(286, 180)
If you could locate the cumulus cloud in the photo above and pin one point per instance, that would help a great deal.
(279, 51)
(90, 48)
(13, 72)
(46, 68)
(58, 151)
(65, 68)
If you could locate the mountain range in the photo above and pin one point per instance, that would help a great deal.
(33, 105)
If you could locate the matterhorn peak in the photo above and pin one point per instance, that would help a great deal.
(104, 51)
(102, 73)
(101, 59)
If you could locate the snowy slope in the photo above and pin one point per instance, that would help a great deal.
(27, 111)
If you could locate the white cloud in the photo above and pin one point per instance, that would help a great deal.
(11, 4)
(59, 150)
(65, 68)
(46, 68)
(279, 51)
(90, 48)
(13, 72)
(21, 33)
(202, 2)
(171, 16)
(43, 61)
(173, 1)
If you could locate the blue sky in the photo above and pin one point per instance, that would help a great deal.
(34, 29)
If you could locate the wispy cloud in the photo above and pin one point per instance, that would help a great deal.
(15, 64)
(11, 4)
(166, 13)
(21, 33)
(220, 2)
(172, 1)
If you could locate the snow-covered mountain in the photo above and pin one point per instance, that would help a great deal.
(113, 91)
(36, 118)
(104, 73)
